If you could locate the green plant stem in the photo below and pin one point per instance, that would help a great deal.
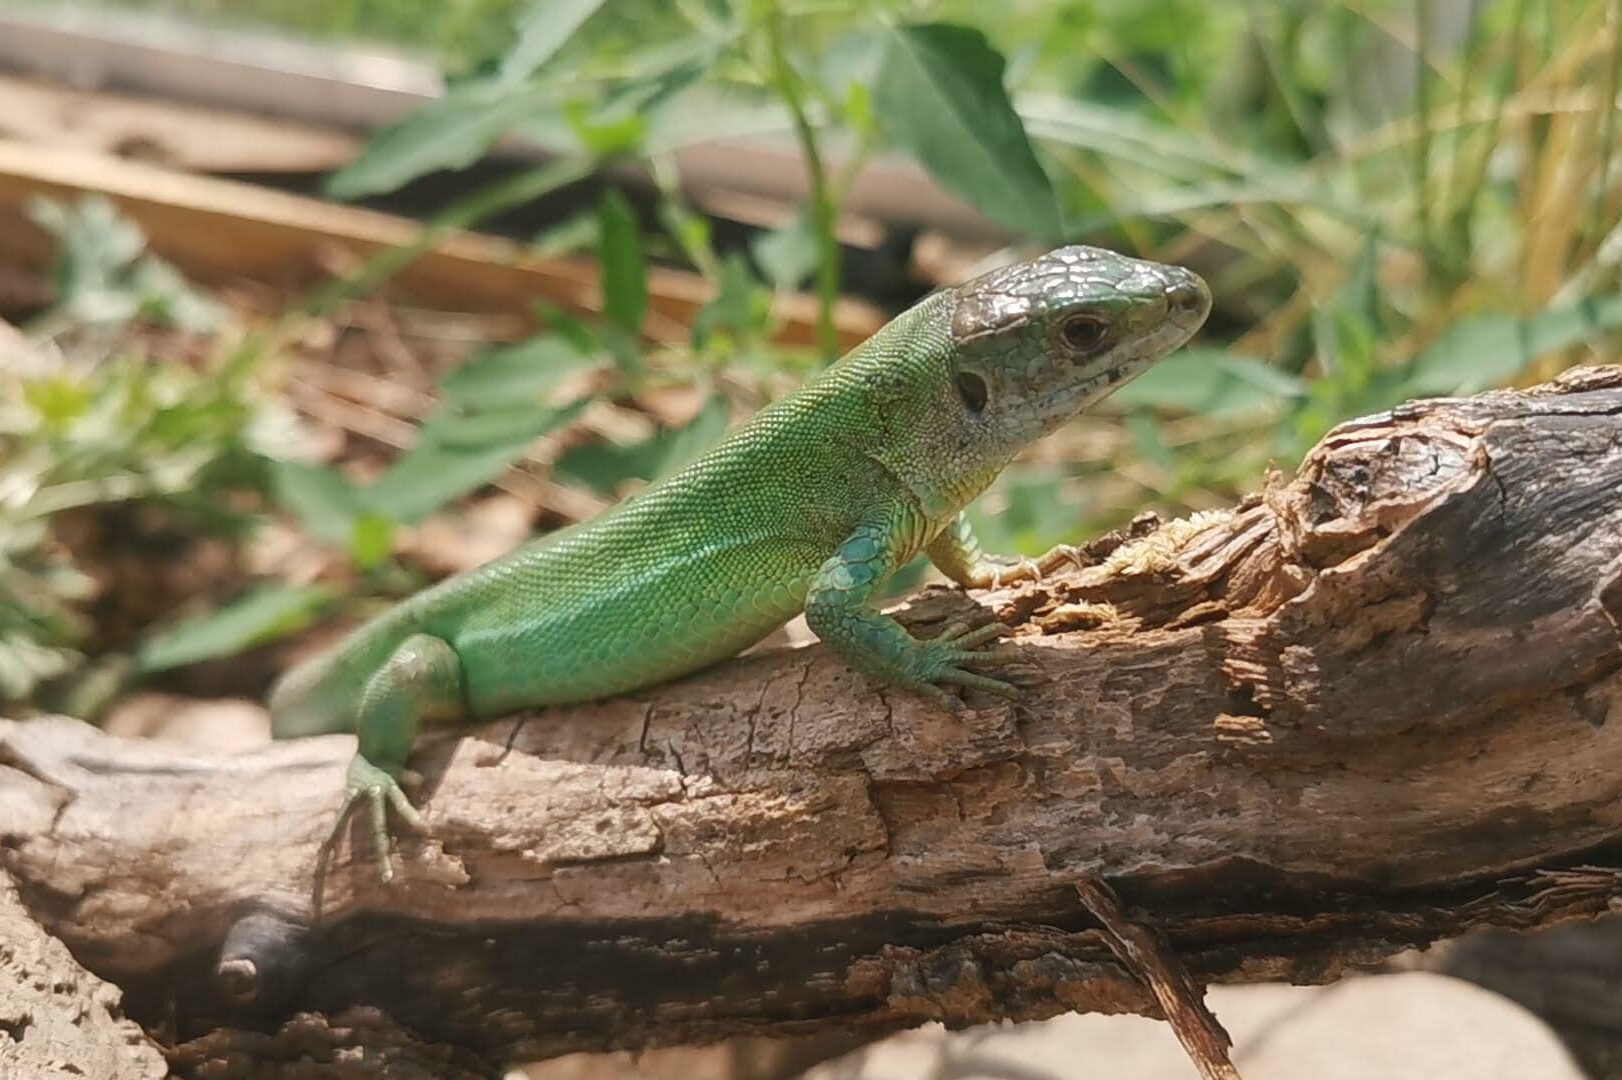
(1607, 137)
(853, 166)
(666, 177)
(823, 208)
(1472, 58)
(1422, 145)
(1278, 56)
(1464, 208)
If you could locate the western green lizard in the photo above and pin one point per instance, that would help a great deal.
(809, 506)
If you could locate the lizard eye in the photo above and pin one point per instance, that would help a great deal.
(1083, 332)
(972, 389)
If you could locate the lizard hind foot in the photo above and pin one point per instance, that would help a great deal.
(377, 789)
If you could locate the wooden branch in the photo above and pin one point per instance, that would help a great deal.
(1374, 706)
(56, 1019)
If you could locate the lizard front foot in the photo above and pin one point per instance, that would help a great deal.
(948, 657)
(836, 609)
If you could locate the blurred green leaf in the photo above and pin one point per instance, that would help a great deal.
(94, 241)
(634, 116)
(103, 274)
(624, 269)
(457, 453)
(706, 113)
(857, 110)
(543, 27)
(1360, 292)
(514, 375)
(495, 407)
(25, 663)
(854, 58)
(788, 253)
(334, 510)
(603, 134)
(371, 541)
(572, 329)
(741, 306)
(1033, 514)
(940, 96)
(180, 436)
(1147, 442)
(1215, 195)
(604, 466)
(57, 400)
(266, 613)
(849, 69)
(1131, 136)
(575, 233)
(1346, 329)
(1209, 382)
(1483, 350)
(690, 231)
(323, 500)
(450, 133)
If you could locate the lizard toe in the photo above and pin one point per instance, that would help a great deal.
(973, 680)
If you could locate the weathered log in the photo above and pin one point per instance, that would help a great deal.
(1375, 706)
(56, 1019)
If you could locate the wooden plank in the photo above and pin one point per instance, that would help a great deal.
(183, 59)
(219, 230)
(174, 134)
(359, 88)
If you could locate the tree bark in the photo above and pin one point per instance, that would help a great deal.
(1371, 707)
(56, 1019)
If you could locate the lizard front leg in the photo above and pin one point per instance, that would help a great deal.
(422, 677)
(838, 610)
(956, 553)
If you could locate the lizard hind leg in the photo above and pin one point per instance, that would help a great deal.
(421, 677)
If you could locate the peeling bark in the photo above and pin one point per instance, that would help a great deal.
(1374, 706)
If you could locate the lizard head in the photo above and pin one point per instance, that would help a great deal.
(1036, 342)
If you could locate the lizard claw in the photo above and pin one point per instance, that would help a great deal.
(1058, 555)
(1000, 573)
(379, 789)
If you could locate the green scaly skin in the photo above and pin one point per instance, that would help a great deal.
(809, 506)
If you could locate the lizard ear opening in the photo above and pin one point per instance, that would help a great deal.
(972, 389)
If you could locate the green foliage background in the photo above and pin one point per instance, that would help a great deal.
(1390, 198)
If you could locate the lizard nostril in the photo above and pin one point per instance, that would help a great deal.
(1189, 297)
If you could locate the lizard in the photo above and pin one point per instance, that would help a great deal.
(809, 506)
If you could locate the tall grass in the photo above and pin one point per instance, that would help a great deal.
(1391, 199)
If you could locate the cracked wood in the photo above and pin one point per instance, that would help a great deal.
(1375, 705)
